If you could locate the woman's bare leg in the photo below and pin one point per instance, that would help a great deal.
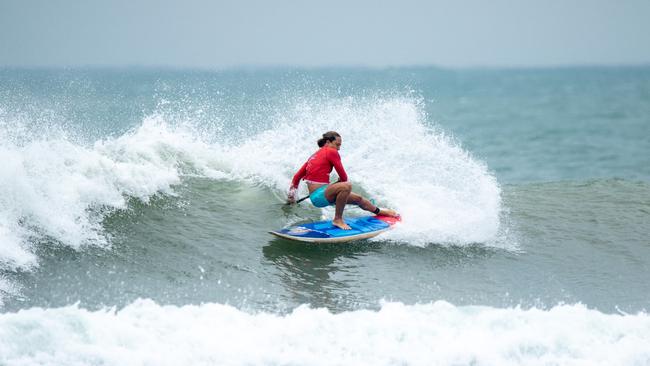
(365, 204)
(339, 193)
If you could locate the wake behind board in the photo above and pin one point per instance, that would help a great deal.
(324, 232)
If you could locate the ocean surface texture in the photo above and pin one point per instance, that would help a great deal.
(136, 205)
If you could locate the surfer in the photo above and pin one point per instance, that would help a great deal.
(316, 173)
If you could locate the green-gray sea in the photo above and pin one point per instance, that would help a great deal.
(136, 204)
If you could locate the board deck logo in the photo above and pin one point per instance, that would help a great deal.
(298, 230)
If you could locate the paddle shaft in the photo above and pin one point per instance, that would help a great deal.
(298, 201)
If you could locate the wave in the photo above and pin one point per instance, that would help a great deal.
(396, 334)
(58, 188)
(54, 187)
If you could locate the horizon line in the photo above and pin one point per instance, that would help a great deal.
(342, 66)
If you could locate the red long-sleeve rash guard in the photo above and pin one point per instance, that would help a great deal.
(318, 167)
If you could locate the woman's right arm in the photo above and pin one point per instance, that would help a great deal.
(291, 197)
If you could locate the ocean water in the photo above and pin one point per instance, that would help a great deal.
(136, 203)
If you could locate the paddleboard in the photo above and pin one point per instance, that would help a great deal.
(324, 232)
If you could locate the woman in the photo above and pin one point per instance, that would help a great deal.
(316, 173)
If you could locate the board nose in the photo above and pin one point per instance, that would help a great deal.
(390, 220)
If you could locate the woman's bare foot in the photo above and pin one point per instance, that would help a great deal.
(388, 212)
(339, 223)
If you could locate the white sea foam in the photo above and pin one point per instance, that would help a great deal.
(440, 333)
(7, 288)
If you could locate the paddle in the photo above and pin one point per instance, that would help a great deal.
(304, 198)
(296, 202)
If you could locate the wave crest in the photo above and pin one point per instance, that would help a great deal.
(58, 188)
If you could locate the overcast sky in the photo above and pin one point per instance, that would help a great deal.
(217, 34)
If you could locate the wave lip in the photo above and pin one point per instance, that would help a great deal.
(424, 334)
(56, 188)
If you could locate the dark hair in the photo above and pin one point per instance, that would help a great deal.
(327, 136)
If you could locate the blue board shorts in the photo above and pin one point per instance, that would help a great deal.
(318, 199)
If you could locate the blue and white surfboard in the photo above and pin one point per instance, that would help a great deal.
(324, 232)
